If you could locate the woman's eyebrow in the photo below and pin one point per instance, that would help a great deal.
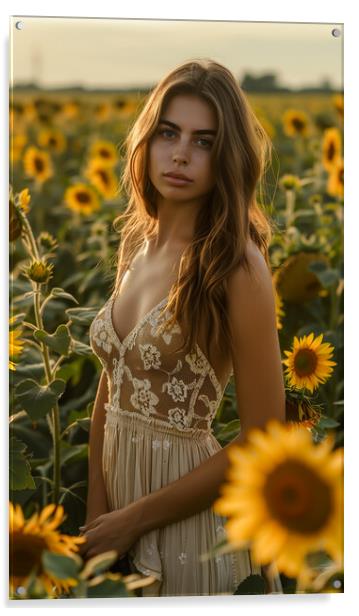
(203, 131)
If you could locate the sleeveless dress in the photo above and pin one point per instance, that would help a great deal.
(160, 408)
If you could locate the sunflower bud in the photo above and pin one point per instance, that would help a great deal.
(15, 224)
(290, 182)
(47, 241)
(24, 199)
(39, 271)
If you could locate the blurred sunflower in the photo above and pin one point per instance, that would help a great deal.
(308, 363)
(53, 139)
(82, 198)
(70, 109)
(338, 102)
(102, 177)
(17, 144)
(15, 343)
(295, 282)
(278, 307)
(30, 538)
(285, 498)
(290, 182)
(295, 123)
(102, 111)
(335, 185)
(105, 151)
(331, 148)
(37, 164)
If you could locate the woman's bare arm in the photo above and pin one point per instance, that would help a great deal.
(96, 495)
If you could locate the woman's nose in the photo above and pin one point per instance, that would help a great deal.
(181, 153)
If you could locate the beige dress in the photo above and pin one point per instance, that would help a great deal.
(158, 428)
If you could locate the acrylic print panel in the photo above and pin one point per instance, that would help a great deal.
(105, 430)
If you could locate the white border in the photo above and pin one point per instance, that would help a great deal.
(275, 10)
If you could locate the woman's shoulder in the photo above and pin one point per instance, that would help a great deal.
(255, 279)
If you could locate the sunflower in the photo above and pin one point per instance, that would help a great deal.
(17, 144)
(24, 200)
(338, 102)
(82, 198)
(331, 148)
(335, 186)
(308, 363)
(53, 139)
(105, 151)
(299, 410)
(294, 282)
(290, 182)
(37, 164)
(70, 109)
(28, 540)
(102, 177)
(285, 498)
(295, 123)
(102, 111)
(15, 343)
(278, 307)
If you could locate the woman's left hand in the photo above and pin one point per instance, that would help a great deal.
(110, 531)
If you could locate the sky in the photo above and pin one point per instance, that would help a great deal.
(104, 52)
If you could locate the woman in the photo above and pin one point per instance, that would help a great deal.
(192, 305)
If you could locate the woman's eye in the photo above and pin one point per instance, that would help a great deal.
(164, 131)
(207, 143)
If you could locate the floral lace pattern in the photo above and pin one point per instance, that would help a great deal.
(148, 376)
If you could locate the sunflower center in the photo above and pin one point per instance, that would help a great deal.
(298, 497)
(103, 175)
(39, 164)
(305, 362)
(52, 141)
(341, 176)
(82, 196)
(104, 153)
(331, 151)
(298, 124)
(25, 553)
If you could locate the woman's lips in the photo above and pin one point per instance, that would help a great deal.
(177, 181)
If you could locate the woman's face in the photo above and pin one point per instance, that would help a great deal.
(183, 144)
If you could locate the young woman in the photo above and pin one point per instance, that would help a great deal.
(192, 305)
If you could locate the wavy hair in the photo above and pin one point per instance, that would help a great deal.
(242, 152)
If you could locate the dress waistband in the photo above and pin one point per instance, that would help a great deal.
(116, 415)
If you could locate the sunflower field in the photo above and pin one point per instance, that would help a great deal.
(284, 495)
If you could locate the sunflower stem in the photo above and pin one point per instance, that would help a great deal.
(54, 421)
(290, 205)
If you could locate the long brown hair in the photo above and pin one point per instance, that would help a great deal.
(242, 151)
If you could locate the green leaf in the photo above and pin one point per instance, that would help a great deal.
(73, 452)
(59, 292)
(82, 316)
(329, 277)
(38, 400)
(254, 584)
(61, 567)
(79, 348)
(100, 563)
(229, 430)
(317, 266)
(108, 588)
(58, 342)
(327, 422)
(19, 467)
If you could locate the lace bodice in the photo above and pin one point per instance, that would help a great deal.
(147, 375)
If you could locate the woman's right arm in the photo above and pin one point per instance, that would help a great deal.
(96, 494)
